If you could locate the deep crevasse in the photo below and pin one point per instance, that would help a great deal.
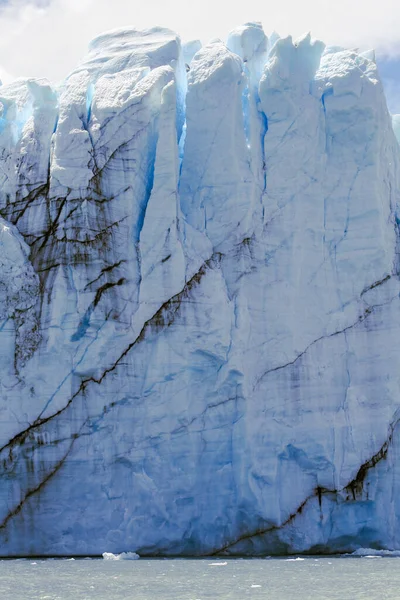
(200, 301)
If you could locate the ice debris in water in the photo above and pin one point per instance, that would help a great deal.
(122, 556)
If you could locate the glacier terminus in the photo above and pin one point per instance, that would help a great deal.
(200, 310)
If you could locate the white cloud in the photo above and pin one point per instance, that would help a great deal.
(50, 41)
(6, 77)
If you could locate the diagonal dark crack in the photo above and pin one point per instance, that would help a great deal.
(54, 224)
(31, 492)
(99, 170)
(318, 492)
(355, 487)
(367, 312)
(185, 426)
(164, 317)
(105, 287)
(98, 234)
(12, 209)
(375, 285)
(44, 269)
(84, 323)
(105, 270)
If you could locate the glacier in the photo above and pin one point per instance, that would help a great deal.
(200, 301)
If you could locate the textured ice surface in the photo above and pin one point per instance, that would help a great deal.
(373, 553)
(199, 317)
(396, 126)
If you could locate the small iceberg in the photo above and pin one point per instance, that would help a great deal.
(122, 556)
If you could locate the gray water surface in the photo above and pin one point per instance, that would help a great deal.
(276, 579)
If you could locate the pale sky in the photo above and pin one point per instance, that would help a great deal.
(49, 39)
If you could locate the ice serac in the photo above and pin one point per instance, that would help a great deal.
(199, 284)
(396, 126)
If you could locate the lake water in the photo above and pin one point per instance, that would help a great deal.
(273, 579)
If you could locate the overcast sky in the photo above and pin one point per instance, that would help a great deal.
(48, 39)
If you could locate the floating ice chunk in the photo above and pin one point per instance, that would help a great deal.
(122, 556)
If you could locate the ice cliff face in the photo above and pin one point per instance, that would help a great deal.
(396, 126)
(200, 312)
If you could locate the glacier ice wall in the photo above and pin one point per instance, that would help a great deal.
(199, 282)
(396, 126)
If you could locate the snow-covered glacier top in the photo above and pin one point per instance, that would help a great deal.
(199, 283)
